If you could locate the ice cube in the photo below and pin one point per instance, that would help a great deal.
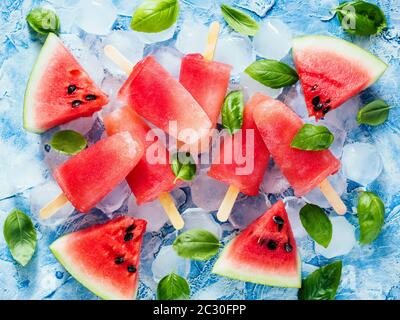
(222, 289)
(293, 207)
(126, 8)
(235, 50)
(252, 87)
(170, 59)
(247, 210)
(204, 4)
(115, 199)
(296, 101)
(52, 157)
(274, 181)
(128, 43)
(81, 125)
(361, 163)
(345, 117)
(96, 16)
(323, 9)
(260, 7)
(208, 193)
(200, 219)
(273, 40)
(343, 239)
(150, 38)
(167, 261)
(192, 37)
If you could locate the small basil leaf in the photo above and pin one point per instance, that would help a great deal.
(313, 138)
(232, 111)
(155, 15)
(20, 235)
(361, 18)
(239, 21)
(273, 74)
(317, 224)
(173, 287)
(374, 113)
(371, 216)
(322, 284)
(43, 21)
(68, 142)
(197, 245)
(183, 166)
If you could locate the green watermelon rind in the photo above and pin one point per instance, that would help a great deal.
(38, 70)
(226, 268)
(347, 49)
(104, 293)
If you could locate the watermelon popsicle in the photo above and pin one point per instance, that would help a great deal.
(305, 170)
(229, 170)
(88, 177)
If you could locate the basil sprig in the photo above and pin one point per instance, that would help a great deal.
(374, 113)
(173, 287)
(197, 245)
(20, 235)
(232, 111)
(322, 284)
(371, 216)
(183, 166)
(155, 15)
(361, 18)
(272, 73)
(68, 142)
(43, 21)
(313, 138)
(239, 21)
(317, 224)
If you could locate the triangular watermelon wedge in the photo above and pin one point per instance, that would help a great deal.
(264, 253)
(104, 258)
(332, 71)
(59, 90)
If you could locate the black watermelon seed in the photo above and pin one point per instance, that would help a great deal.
(131, 269)
(278, 220)
(71, 89)
(326, 110)
(272, 245)
(119, 260)
(128, 237)
(90, 97)
(318, 107)
(130, 228)
(328, 101)
(288, 247)
(76, 103)
(314, 88)
(47, 148)
(316, 101)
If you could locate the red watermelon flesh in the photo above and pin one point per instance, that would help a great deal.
(332, 71)
(264, 253)
(147, 180)
(59, 90)
(93, 173)
(104, 258)
(226, 170)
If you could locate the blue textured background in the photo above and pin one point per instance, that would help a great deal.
(370, 272)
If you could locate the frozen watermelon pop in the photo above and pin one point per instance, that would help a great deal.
(228, 170)
(305, 170)
(88, 177)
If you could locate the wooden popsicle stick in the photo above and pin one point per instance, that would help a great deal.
(212, 41)
(227, 204)
(332, 197)
(55, 205)
(165, 198)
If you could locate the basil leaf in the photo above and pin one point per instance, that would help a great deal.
(239, 21)
(374, 113)
(183, 166)
(322, 284)
(371, 216)
(20, 235)
(317, 224)
(197, 245)
(173, 287)
(43, 21)
(313, 138)
(68, 142)
(232, 111)
(273, 74)
(155, 15)
(361, 18)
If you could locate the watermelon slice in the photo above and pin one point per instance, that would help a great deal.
(59, 90)
(332, 71)
(264, 253)
(104, 258)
